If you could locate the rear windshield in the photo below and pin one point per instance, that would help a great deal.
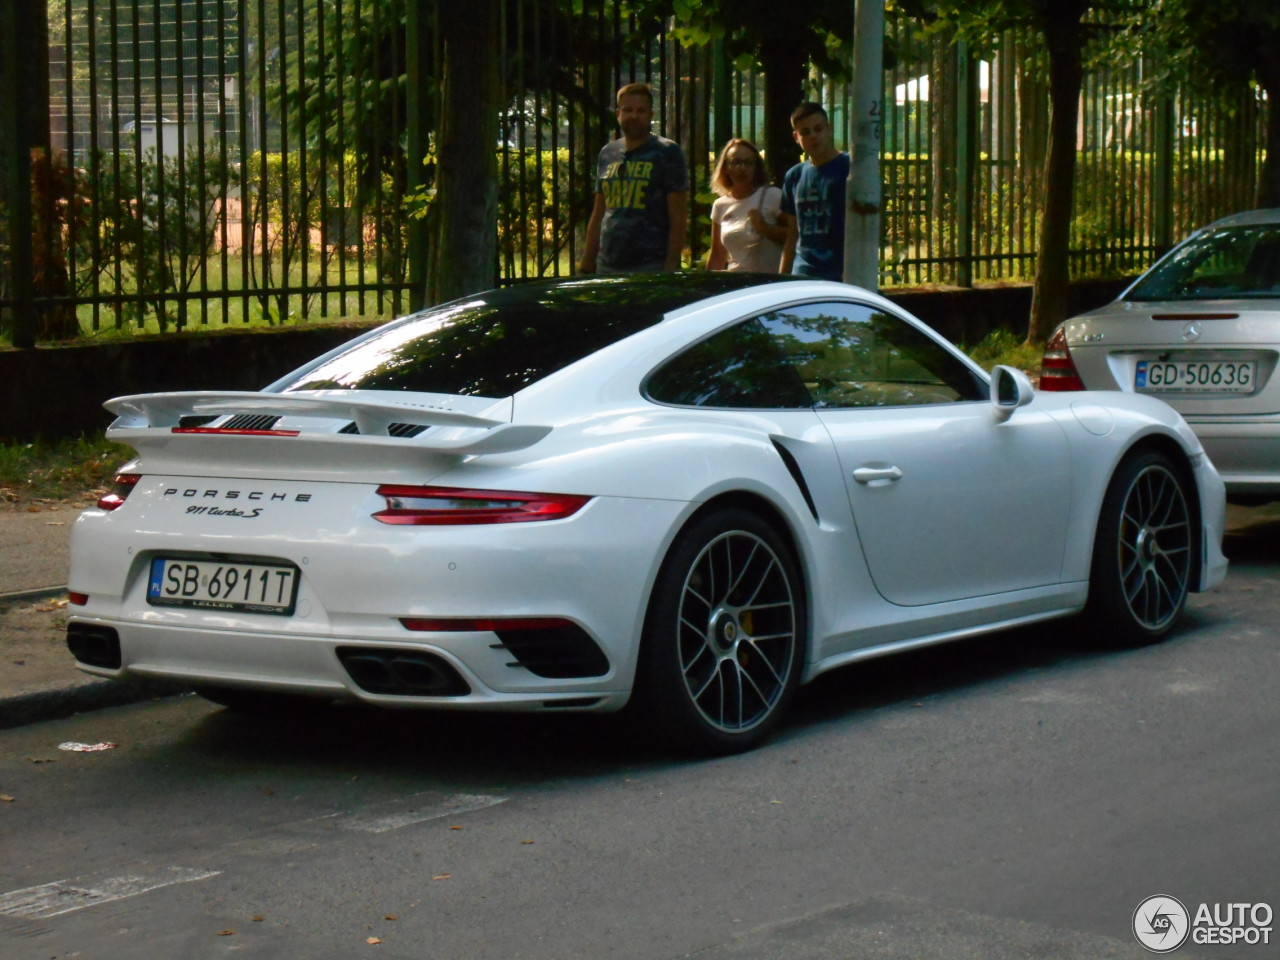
(502, 341)
(1227, 263)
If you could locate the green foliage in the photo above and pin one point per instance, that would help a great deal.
(534, 221)
(343, 90)
(58, 470)
(1207, 45)
(821, 31)
(1005, 347)
(146, 225)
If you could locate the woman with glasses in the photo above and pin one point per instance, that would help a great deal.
(744, 219)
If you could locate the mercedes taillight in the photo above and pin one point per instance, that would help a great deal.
(1057, 370)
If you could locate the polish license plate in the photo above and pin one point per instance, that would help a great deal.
(1199, 376)
(223, 585)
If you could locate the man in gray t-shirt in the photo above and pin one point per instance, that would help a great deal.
(642, 196)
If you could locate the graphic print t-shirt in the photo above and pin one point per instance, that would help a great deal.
(635, 184)
(815, 197)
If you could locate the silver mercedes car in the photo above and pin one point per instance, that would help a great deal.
(1201, 331)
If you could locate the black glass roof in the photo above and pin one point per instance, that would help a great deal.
(500, 341)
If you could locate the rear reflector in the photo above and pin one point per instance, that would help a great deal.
(426, 506)
(124, 484)
(77, 599)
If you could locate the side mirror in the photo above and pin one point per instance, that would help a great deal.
(1010, 389)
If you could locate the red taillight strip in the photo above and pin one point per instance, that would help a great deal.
(414, 506)
(125, 482)
(482, 625)
(238, 433)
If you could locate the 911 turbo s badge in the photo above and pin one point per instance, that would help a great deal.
(235, 512)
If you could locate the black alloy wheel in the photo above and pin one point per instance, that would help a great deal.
(724, 637)
(1144, 553)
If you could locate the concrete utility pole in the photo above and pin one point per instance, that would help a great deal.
(862, 192)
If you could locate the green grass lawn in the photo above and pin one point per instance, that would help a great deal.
(242, 307)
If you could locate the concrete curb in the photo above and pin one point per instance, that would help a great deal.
(76, 697)
(29, 708)
(39, 593)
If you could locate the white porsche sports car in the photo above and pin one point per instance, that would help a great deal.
(685, 493)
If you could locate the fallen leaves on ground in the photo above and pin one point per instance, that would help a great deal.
(6, 798)
(372, 939)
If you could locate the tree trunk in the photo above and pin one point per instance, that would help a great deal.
(1269, 177)
(943, 143)
(784, 73)
(1049, 294)
(465, 218)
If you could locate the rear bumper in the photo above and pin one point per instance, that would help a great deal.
(311, 666)
(357, 586)
(1247, 455)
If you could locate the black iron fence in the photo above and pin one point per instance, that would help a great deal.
(214, 162)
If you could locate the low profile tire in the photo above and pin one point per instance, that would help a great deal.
(1144, 552)
(724, 636)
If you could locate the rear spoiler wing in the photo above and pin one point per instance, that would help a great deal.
(140, 415)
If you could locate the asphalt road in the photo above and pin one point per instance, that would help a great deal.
(1014, 796)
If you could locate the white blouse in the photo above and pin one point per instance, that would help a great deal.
(749, 249)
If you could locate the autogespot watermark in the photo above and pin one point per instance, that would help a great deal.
(1162, 924)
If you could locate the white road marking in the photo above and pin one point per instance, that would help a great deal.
(367, 820)
(64, 896)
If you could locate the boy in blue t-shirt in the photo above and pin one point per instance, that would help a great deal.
(813, 194)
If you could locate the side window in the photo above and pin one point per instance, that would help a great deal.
(738, 367)
(851, 355)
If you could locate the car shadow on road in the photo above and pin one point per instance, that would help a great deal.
(915, 676)
(482, 751)
(489, 751)
(1256, 543)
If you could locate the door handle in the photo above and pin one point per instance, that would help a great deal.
(872, 474)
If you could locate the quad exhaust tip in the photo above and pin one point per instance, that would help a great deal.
(398, 672)
(93, 645)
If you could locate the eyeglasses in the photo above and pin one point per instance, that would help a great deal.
(742, 162)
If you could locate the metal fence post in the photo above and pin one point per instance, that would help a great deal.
(1162, 201)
